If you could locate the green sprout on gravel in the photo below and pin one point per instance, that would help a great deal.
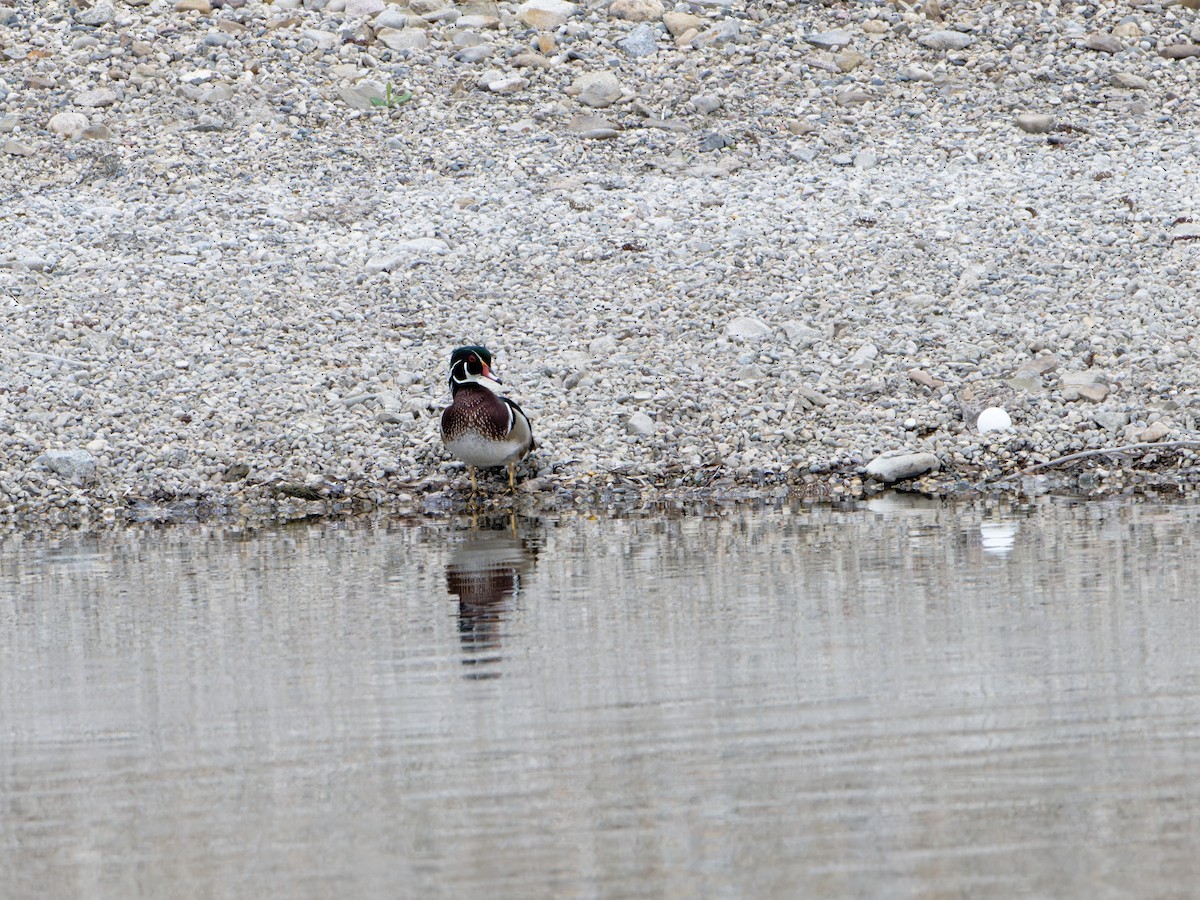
(391, 100)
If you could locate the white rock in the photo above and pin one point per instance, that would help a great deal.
(596, 89)
(356, 9)
(68, 124)
(745, 328)
(994, 418)
(946, 40)
(640, 424)
(403, 38)
(889, 469)
(545, 14)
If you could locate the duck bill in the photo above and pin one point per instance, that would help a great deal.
(487, 373)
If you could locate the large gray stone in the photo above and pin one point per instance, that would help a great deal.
(889, 469)
(77, 466)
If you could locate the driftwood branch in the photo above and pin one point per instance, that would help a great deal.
(1102, 451)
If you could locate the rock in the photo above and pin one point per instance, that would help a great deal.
(531, 61)
(1041, 364)
(852, 98)
(16, 148)
(640, 424)
(77, 466)
(406, 252)
(864, 357)
(714, 140)
(100, 14)
(403, 39)
(745, 328)
(359, 96)
(357, 9)
(68, 124)
(596, 89)
(478, 53)
(915, 73)
(1090, 385)
(800, 335)
(865, 159)
(946, 40)
(889, 469)
(994, 418)
(1179, 51)
(680, 22)
(848, 60)
(1128, 81)
(204, 7)
(593, 127)
(605, 345)
(1035, 123)
(1152, 433)
(97, 132)
(1110, 419)
(390, 17)
(875, 26)
(830, 40)
(636, 10)
(923, 378)
(1104, 43)
(545, 14)
(510, 84)
(706, 104)
(641, 41)
(728, 31)
(1029, 382)
(96, 97)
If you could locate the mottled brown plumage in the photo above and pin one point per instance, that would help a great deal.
(479, 426)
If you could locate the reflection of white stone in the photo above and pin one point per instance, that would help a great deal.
(997, 538)
(994, 419)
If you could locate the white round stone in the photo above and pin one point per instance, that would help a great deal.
(994, 419)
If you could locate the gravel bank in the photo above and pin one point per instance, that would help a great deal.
(718, 245)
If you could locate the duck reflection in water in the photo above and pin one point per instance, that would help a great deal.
(485, 573)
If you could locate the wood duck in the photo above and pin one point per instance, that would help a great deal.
(481, 427)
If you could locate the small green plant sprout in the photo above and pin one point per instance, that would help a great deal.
(391, 99)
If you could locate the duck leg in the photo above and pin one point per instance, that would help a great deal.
(512, 483)
(474, 489)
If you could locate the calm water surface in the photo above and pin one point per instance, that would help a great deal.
(901, 700)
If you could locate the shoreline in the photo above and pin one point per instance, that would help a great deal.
(724, 247)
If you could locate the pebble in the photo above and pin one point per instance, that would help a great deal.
(1129, 81)
(68, 124)
(994, 418)
(642, 41)
(596, 89)
(946, 40)
(1180, 51)
(640, 424)
(831, 40)
(746, 328)
(77, 466)
(546, 14)
(636, 10)
(1105, 43)
(1036, 123)
(902, 466)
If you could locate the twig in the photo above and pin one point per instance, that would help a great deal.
(1103, 451)
(58, 359)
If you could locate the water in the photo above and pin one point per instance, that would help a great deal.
(902, 700)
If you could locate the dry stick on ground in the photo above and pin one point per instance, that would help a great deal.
(1103, 451)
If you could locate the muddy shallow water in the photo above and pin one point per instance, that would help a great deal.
(904, 698)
